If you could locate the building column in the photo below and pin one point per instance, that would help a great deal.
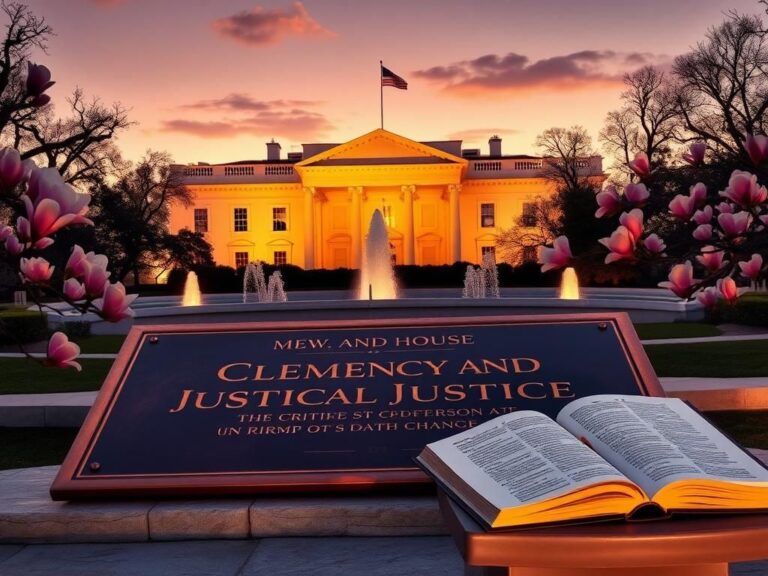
(408, 193)
(309, 228)
(455, 221)
(356, 192)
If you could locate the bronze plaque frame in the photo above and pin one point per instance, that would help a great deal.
(72, 483)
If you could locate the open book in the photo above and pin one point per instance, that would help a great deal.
(647, 454)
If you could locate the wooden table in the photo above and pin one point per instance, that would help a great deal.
(675, 547)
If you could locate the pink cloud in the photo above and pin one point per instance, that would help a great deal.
(243, 102)
(294, 124)
(261, 26)
(515, 72)
(106, 3)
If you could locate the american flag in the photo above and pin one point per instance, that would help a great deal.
(389, 78)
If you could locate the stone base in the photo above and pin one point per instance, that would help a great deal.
(28, 515)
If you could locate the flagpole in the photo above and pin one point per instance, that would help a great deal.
(381, 93)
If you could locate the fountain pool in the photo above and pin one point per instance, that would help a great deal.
(642, 304)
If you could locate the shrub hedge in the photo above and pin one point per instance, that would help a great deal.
(751, 309)
(19, 326)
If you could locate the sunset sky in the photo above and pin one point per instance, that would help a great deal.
(213, 80)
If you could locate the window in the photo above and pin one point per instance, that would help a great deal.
(529, 214)
(279, 219)
(487, 215)
(280, 257)
(485, 250)
(241, 259)
(529, 254)
(201, 220)
(241, 219)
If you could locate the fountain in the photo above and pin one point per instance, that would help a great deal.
(569, 285)
(192, 295)
(482, 282)
(377, 277)
(254, 284)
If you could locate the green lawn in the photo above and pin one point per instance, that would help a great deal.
(749, 428)
(25, 376)
(664, 330)
(100, 344)
(711, 360)
(28, 447)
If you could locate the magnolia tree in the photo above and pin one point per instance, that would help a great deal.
(726, 230)
(48, 205)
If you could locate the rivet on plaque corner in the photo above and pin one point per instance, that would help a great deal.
(603, 326)
(95, 466)
(154, 339)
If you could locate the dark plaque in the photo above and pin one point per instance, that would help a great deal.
(243, 408)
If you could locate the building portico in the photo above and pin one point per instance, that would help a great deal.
(441, 204)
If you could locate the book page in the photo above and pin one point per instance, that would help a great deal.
(522, 457)
(656, 441)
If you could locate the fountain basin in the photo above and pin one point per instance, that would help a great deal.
(642, 304)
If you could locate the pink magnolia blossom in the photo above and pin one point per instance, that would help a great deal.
(654, 244)
(724, 208)
(77, 264)
(5, 232)
(38, 79)
(703, 232)
(698, 194)
(23, 229)
(640, 165)
(96, 275)
(62, 352)
(608, 201)
(621, 245)
(743, 190)
(633, 221)
(712, 259)
(114, 305)
(757, 148)
(751, 268)
(764, 219)
(703, 216)
(47, 183)
(36, 270)
(13, 246)
(728, 290)
(682, 207)
(708, 297)
(734, 225)
(557, 256)
(636, 194)
(73, 289)
(681, 281)
(695, 154)
(11, 168)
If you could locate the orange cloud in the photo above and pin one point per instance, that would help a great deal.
(243, 102)
(515, 72)
(262, 27)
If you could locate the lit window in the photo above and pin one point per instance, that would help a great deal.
(279, 219)
(201, 220)
(487, 215)
(241, 259)
(241, 219)
(529, 214)
(529, 254)
(280, 257)
(484, 250)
